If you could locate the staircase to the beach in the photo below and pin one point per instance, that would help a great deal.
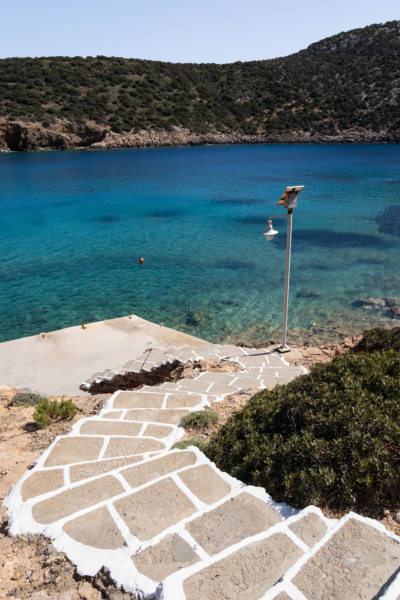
(168, 524)
(261, 368)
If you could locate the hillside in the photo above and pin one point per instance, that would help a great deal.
(343, 88)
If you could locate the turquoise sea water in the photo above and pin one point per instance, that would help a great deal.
(74, 225)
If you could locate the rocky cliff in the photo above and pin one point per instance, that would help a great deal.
(20, 136)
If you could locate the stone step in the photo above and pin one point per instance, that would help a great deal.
(121, 497)
(357, 561)
(248, 358)
(154, 359)
(229, 351)
(247, 573)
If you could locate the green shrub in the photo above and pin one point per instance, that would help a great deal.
(199, 419)
(331, 438)
(24, 399)
(201, 444)
(48, 411)
(314, 90)
(379, 339)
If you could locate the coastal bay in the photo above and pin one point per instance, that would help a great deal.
(76, 223)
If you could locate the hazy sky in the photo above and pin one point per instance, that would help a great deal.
(180, 30)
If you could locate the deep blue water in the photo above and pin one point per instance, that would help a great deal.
(74, 225)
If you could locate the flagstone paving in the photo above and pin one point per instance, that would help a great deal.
(168, 524)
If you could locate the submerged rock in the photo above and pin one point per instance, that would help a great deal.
(389, 304)
(395, 310)
(389, 220)
(392, 301)
(307, 293)
(370, 302)
(193, 317)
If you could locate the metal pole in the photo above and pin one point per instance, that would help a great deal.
(285, 347)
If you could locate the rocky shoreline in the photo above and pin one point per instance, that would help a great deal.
(21, 136)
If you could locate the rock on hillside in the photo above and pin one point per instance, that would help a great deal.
(17, 136)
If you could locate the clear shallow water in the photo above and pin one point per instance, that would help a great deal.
(74, 225)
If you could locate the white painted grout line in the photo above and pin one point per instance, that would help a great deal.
(122, 480)
(67, 479)
(184, 534)
(173, 585)
(200, 506)
(164, 402)
(142, 429)
(392, 592)
(123, 571)
(130, 539)
(294, 570)
(104, 447)
(291, 590)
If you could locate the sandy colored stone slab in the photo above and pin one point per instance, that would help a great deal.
(112, 414)
(80, 497)
(245, 574)
(309, 528)
(182, 401)
(153, 509)
(167, 387)
(221, 378)
(133, 366)
(158, 431)
(156, 356)
(154, 469)
(93, 377)
(254, 361)
(247, 382)
(204, 482)
(105, 428)
(223, 389)
(169, 416)
(86, 470)
(170, 388)
(96, 528)
(257, 352)
(74, 449)
(126, 446)
(275, 361)
(233, 521)
(194, 385)
(207, 352)
(41, 482)
(135, 400)
(166, 557)
(354, 564)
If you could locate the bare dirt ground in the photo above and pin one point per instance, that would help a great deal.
(30, 568)
(192, 369)
(308, 356)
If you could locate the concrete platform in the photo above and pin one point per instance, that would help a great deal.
(58, 362)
